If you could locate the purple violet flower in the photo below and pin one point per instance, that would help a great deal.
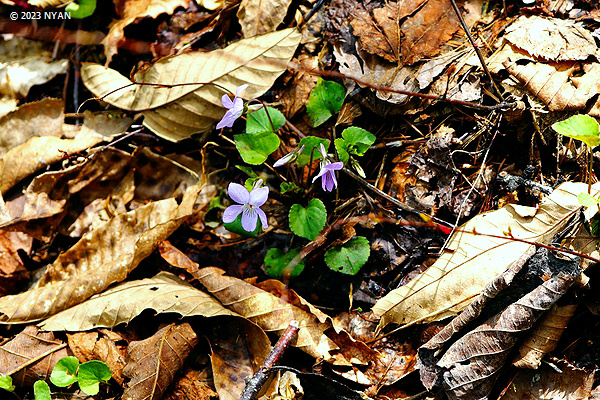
(248, 205)
(327, 172)
(234, 107)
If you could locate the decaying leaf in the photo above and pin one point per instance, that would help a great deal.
(87, 346)
(100, 258)
(561, 86)
(261, 16)
(239, 348)
(193, 105)
(474, 259)
(272, 314)
(544, 338)
(31, 355)
(130, 11)
(12, 270)
(547, 384)
(469, 367)
(407, 31)
(551, 39)
(152, 363)
(163, 293)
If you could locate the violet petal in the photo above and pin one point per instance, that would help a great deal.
(238, 193)
(259, 196)
(240, 89)
(249, 219)
(231, 213)
(226, 101)
(263, 218)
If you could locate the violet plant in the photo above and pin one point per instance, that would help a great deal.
(260, 141)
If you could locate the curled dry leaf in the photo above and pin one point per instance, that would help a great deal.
(100, 258)
(31, 355)
(163, 293)
(193, 105)
(544, 338)
(12, 269)
(261, 16)
(238, 349)
(130, 11)
(474, 259)
(469, 368)
(271, 313)
(176, 257)
(37, 153)
(152, 363)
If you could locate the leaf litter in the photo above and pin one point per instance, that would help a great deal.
(110, 224)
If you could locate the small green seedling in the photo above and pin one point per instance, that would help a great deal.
(6, 383)
(585, 128)
(88, 375)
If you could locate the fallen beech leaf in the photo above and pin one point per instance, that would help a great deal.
(36, 153)
(551, 39)
(12, 270)
(178, 112)
(458, 275)
(100, 258)
(152, 363)
(26, 346)
(271, 313)
(544, 338)
(40, 118)
(130, 11)
(163, 293)
(239, 348)
(261, 16)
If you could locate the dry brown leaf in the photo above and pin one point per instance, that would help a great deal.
(272, 314)
(544, 338)
(469, 367)
(261, 16)
(49, 3)
(12, 270)
(152, 363)
(295, 97)
(23, 64)
(178, 112)
(132, 10)
(100, 258)
(30, 356)
(561, 86)
(406, 32)
(37, 153)
(551, 39)
(87, 346)
(176, 257)
(40, 118)
(446, 287)
(163, 293)
(107, 124)
(239, 348)
(548, 384)
(193, 385)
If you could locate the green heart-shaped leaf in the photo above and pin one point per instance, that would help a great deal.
(349, 258)
(581, 127)
(276, 261)
(325, 99)
(308, 222)
(256, 147)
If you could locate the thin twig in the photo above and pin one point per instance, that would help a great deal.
(475, 47)
(256, 383)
